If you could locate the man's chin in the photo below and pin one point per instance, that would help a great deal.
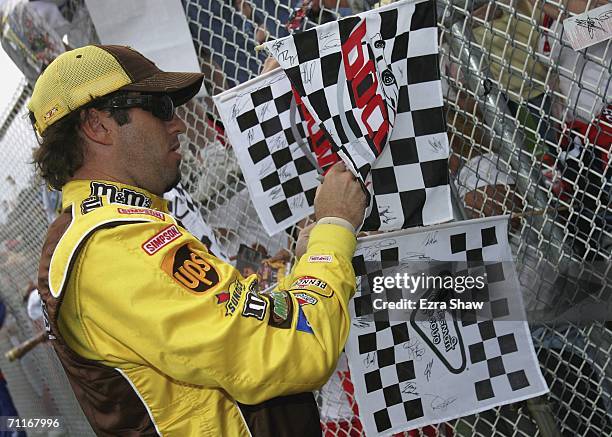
(176, 181)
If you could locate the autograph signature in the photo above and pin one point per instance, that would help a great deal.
(308, 71)
(410, 389)
(369, 360)
(285, 56)
(427, 372)
(439, 403)
(263, 110)
(431, 238)
(329, 41)
(265, 169)
(237, 107)
(370, 251)
(436, 145)
(385, 214)
(284, 174)
(278, 44)
(362, 322)
(297, 202)
(594, 23)
(276, 193)
(250, 136)
(415, 350)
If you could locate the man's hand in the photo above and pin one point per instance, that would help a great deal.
(269, 64)
(340, 195)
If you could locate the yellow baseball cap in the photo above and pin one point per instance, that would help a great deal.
(79, 76)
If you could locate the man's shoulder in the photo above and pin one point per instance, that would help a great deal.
(133, 228)
(120, 223)
(110, 230)
(160, 252)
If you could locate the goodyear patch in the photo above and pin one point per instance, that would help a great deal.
(313, 284)
(161, 239)
(281, 312)
(320, 258)
(189, 269)
(305, 299)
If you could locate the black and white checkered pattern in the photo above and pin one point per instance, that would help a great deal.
(183, 208)
(409, 177)
(265, 130)
(492, 343)
(388, 383)
(390, 353)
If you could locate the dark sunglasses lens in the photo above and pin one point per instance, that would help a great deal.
(163, 108)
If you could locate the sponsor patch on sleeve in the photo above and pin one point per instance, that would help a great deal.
(281, 311)
(313, 284)
(320, 258)
(161, 239)
(145, 211)
(302, 322)
(189, 269)
(305, 299)
(255, 305)
(232, 297)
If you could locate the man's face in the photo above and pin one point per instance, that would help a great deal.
(148, 149)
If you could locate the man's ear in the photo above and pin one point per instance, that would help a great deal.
(97, 126)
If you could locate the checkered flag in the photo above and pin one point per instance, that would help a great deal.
(425, 366)
(269, 136)
(187, 212)
(372, 82)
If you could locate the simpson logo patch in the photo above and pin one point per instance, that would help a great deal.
(145, 211)
(187, 267)
(320, 258)
(161, 239)
(305, 299)
(235, 293)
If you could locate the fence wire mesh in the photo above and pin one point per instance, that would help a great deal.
(530, 131)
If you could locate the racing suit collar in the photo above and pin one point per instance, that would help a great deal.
(81, 191)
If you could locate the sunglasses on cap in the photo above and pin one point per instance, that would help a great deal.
(161, 106)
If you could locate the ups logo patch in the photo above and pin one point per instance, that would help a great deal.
(189, 269)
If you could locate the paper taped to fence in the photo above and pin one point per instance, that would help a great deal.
(412, 369)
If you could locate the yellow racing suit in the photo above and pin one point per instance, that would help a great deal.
(158, 336)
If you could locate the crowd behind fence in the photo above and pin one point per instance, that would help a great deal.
(530, 127)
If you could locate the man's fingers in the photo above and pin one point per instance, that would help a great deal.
(338, 167)
(318, 191)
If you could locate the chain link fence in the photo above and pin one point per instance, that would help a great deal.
(530, 134)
